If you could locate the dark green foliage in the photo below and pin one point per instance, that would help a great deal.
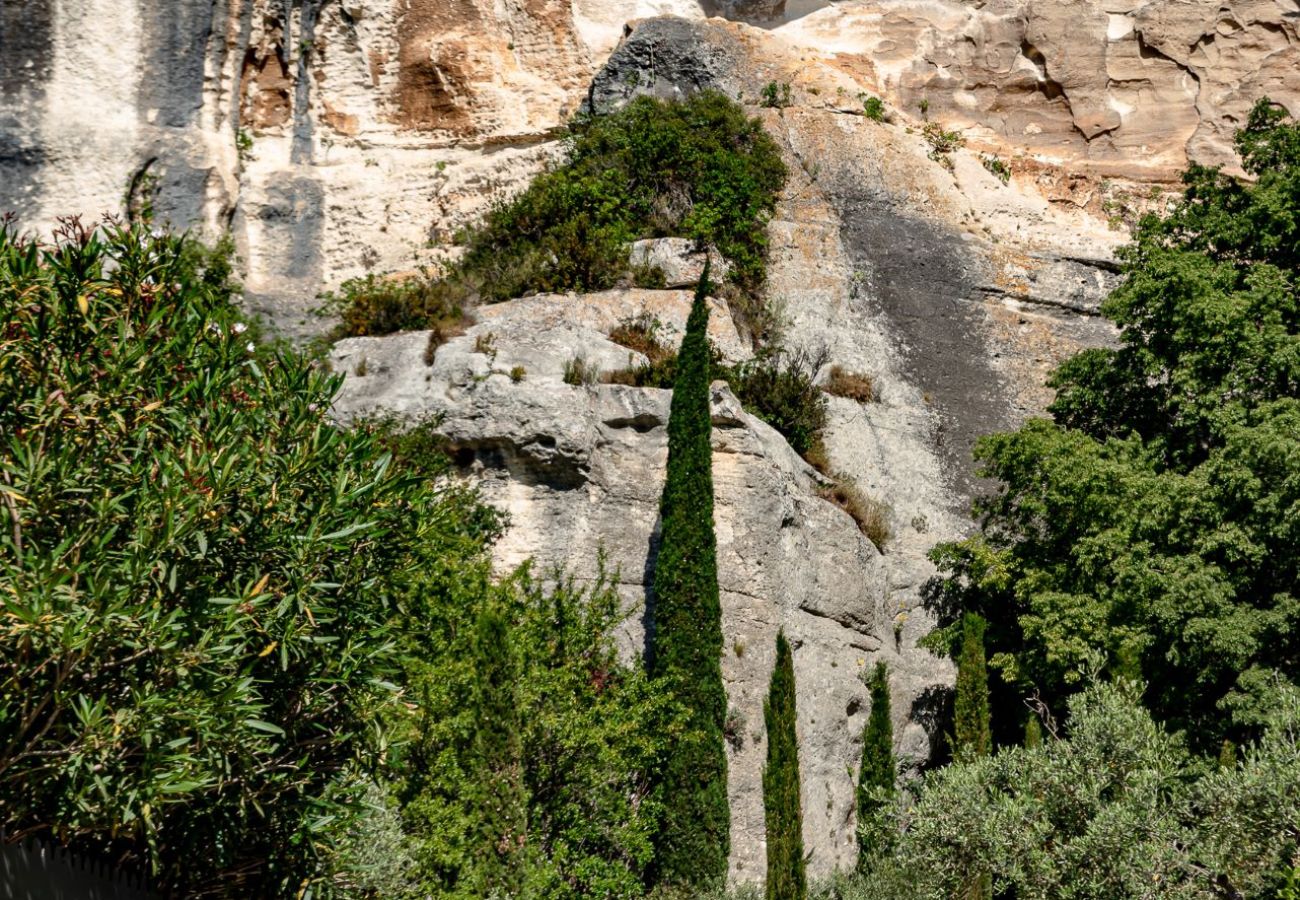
(374, 305)
(776, 96)
(1151, 529)
(878, 772)
(1033, 733)
(498, 758)
(197, 570)
(971, 728)
(686, 649)
(780, 388)
(697, 168)
(782, 810)
(590, 731)
(874, 108)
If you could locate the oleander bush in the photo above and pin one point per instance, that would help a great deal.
(196, 570)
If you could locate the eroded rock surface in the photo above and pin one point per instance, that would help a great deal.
(336, 139)
(580, 469)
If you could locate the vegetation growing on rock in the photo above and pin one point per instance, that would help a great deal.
(697, 168)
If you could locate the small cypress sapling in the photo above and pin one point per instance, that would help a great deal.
(878, 771)
(498, 758)
(1033, 733)
(971, 727)
(782, 813)
(686, 644)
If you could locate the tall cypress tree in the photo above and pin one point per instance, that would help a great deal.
(972, 727)
(878, 770)
(498, 760)
(786, 879)
(686, 622)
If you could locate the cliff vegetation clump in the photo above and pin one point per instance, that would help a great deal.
(697, 168)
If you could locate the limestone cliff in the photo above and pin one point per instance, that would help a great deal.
(337, 138)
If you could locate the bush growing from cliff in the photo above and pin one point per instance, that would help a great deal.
(782, 809)
(696, 168)
(686, 647)
(1153, 524)
(197, 571)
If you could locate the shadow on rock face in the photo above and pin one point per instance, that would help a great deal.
(932, 710)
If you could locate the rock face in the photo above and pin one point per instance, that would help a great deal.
(334, 139)
(579, 469)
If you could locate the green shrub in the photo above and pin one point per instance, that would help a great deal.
(375, 305)
(942, 143)
(779, 387)
(776, 96)
(874, 108)
(579, 372)
(997, 168)
(197, 568)
(696, 168)
(1115, 809)
(591, 731)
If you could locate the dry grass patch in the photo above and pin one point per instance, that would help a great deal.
(853, 385)
(872, 515)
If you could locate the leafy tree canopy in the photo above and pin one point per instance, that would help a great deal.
(1115, 809)
(197, 612)
(1151, 528)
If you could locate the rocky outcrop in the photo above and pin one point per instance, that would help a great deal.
(336, 139)
(902, 268)
(579, 470)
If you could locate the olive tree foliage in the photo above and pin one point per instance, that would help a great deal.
(1115, 809)
(196, 570)
(1150, 528)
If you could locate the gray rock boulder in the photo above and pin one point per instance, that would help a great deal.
(678, 260)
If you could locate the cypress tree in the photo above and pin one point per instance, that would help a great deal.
(878, 770)
(786, 879)
(686, 623)
(971, 709)
(972, 727)
(1033, 733)
(498, 759)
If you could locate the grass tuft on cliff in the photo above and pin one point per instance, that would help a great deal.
(697, 168)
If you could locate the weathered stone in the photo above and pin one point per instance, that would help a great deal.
(678, 261)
